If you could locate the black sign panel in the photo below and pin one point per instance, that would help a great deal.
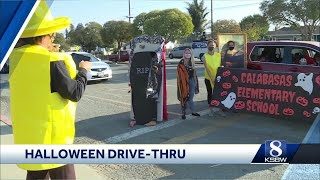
(144, 108)
(284, 95)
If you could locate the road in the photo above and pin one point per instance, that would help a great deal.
(103, 115)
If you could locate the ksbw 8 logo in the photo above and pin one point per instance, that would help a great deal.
(275, 151)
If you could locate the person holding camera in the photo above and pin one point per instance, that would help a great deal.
(44, 89)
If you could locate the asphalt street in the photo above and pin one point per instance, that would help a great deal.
(103, 116)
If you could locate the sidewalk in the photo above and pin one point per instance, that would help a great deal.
(11, 171)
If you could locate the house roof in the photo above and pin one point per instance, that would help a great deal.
(314, 43)
(290, 31)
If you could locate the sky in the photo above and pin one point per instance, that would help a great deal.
(101, 11)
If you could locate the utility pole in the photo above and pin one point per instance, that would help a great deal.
(129, 12)
(129, 17)
(212, 19)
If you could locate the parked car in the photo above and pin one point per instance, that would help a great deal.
(99, 70)
(177, 52)
(124, 56)
(283, 56)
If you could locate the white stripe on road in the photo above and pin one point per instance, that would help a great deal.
(141, 131)
(215, 165)
(103, 99)
(125, 104)
(107, 88)
(113, 94)
(102, 104)
(123, 81)
(174, 113)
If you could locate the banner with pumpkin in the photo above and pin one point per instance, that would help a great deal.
(278, 94)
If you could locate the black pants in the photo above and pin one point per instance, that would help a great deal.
(209, 90)
(64, 172)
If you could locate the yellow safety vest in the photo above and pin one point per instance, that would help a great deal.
(213, 62)
(39, 116)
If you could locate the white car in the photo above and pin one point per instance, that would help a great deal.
(99, 70)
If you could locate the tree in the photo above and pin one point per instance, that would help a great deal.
(198, 13)
(69, 34)
(226, 26)
(255, 26)
(116, 31)
(294, 13)
(92, 36)
(138, 23)
(76, 35)
(88, 36)
(71, 27)
(62, 41)
(172, 24)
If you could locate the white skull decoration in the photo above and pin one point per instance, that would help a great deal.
(218, 78)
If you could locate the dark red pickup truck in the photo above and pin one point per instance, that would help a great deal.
(124, 56)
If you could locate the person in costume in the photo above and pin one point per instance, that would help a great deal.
(212, 61)
(187, 82)
(44, 89)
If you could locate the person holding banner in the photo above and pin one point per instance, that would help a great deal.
(187, 82)
(229, 59)
(212, 61)
(44, 89)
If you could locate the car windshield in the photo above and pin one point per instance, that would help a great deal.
(92, 57)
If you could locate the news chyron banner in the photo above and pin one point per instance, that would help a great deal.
(273, 151)
(14, 16)
(278, 94)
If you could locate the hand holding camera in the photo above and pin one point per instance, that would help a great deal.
(86, 65)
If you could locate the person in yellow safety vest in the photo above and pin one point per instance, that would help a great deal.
(212, 61)
(44, 89)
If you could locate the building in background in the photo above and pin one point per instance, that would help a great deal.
(289, 34)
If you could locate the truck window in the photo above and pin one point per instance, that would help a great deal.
(267, 54)
(256, 52)
(299, 53)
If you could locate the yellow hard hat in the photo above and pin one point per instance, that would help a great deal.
(42, 22)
